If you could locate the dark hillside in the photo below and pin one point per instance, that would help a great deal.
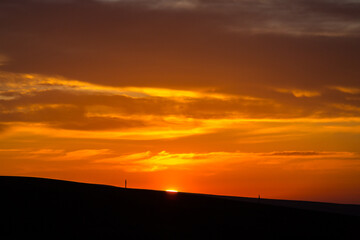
(57, 209)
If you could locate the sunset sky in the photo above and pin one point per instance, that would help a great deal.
(233, 97)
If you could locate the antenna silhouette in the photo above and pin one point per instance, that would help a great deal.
(125, 183)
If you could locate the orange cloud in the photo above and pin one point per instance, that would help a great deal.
(350, 90)
(29, 83)
(209, 161)
(223, 161)
(299, 92)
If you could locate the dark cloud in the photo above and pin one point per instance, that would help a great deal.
(296, 153)
(214, 45)
(67, 117)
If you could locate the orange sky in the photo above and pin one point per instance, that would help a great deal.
(225, 97)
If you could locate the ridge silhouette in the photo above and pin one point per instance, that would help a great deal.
(55, 209)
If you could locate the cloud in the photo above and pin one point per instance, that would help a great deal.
(136, 156)
(63, 114)
(73, 104)
(83, 154)
(307, 153)
(45, 154)
(23, 84)
(46, 151)
(101, 124)
(300, 17)
(299, 92)
(177, 4)
(350, 90)
(347, 108)
(163, 160)
(69, 117)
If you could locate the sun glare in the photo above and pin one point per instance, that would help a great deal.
(171, 191)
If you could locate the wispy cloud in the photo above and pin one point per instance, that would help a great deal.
(30, 83)
(212, 161)
(299, 92)
(225, 160)
(313, 18)
(350, 90)
(298, 17)
(159, 4)
(45, 154)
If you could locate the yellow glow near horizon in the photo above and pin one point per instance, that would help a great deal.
(171, 191)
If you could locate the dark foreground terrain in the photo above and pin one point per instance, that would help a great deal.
(53, 209)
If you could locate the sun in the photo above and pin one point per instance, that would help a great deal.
(171, 190)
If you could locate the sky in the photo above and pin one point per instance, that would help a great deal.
(236, 97)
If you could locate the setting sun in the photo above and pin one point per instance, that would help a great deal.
(171, 191)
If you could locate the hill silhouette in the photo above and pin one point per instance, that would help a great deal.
(55, 209)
